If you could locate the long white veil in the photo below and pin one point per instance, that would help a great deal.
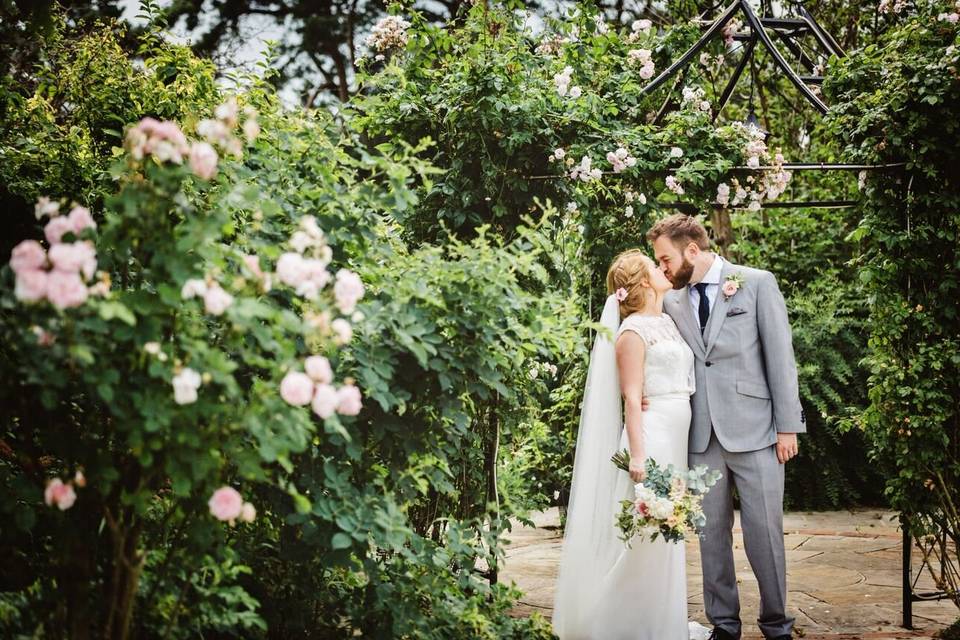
(590, 542)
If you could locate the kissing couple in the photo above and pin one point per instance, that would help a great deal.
(698, 369)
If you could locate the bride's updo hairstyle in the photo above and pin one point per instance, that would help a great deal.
(626, 272)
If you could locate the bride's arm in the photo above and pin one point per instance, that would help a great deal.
(631, 351)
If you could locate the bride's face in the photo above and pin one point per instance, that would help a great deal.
(658, 281)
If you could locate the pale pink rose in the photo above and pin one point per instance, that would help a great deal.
(44, 337)
(318, 368)
(253, 264)
(66, 290)
(74, 257)
(185, 385)
(81, 219)
(251, 129)
(226, 504)
(31, 285)
(56, 228)
(730, 287)
(347, 290)
(291, 269)
(193, 288)
(342, 330)
(216, 300)
(646, 71)
(348, 397)
(60, 494)
(325, 401)
(316, 272)
(248, 512)
(296, 388)
(27, 256)
(203, 160)
(46, 207)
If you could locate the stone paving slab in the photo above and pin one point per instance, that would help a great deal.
(843, 576)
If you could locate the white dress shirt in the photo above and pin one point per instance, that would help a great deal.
(712, 279)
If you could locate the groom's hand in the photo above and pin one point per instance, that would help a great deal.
(787, 446)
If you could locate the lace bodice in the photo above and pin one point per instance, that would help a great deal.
(668, 365)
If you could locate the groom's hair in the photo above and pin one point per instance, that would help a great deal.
(681, 229)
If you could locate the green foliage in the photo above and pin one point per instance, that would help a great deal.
(897, 102)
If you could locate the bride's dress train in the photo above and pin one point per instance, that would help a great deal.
(612, 592)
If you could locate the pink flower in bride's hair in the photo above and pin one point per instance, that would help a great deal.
(349, 403)
(296, 388)
(56, 228)
(81, 219)
(325, 401)
(66, 290)
(59, 494)
(730, 287)
(27, 256)
(318, 368)
(203, 160)
(226, 504)
(31, 285)
(621, 294)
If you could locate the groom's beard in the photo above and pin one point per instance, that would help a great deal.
(682, 276)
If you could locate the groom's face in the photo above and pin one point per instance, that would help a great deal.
(673, 262)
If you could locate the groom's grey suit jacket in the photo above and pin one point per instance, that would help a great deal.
(745, 370)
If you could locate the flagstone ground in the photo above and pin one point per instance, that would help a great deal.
(843, 576)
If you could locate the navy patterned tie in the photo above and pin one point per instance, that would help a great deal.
(704, 308)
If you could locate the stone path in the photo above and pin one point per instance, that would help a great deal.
(843, 576)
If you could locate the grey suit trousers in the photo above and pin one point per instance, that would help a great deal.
(758, 478)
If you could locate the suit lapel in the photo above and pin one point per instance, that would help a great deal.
(719, 312)
(687, 325)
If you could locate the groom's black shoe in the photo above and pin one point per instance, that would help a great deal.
(721, 634)
(786, 637)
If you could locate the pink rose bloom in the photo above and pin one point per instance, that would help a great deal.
(316, 272)
(325, 401)
(253, 264)
(74, 257)
(44, 338)
(59, 494)
(192, 288)
(216, 300)
(291, 269)
(27, 256)
(730, 287)
(226, 504)
(248, 512)
(81, 219)
(348, 397)
(348, 290)
(296, 388)
(66, 290)
(31, 285)
(203, 160)
(56, 228)
(318, 368)
(342, 330)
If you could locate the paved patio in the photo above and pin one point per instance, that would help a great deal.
(843, 576)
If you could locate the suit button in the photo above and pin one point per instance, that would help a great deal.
(708, 363)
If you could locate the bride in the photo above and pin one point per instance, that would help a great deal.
(606, 590)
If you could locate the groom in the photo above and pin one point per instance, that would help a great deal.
(746, 415)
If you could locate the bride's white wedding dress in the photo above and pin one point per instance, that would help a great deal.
(606, 590)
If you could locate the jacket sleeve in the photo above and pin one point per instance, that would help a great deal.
(779, 362)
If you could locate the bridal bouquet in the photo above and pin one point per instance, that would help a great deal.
(667, 503)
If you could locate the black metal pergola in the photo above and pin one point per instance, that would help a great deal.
(761, 31)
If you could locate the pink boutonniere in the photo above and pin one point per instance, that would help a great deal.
(731, 286)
